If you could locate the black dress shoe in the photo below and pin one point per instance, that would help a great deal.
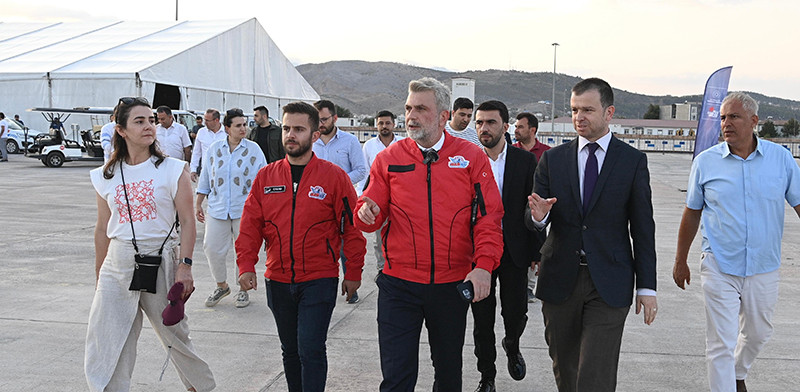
(516, 364)
(486, 385)
(740, 387)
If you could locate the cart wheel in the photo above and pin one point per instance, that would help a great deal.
(54, 159)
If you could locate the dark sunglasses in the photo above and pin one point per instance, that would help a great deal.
(132, 100)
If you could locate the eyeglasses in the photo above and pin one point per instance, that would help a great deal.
(325, 119)
(131, 100)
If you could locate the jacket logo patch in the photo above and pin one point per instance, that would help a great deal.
(457, 162)
(274, 189)
(317, 192)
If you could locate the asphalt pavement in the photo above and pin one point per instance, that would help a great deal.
(47, 284)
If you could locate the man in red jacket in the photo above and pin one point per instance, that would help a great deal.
(302, 206)
(437, 195)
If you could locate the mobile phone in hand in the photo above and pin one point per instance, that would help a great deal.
(466, 290)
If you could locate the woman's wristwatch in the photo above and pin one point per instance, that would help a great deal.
(187, 261)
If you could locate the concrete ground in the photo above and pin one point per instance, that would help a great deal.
(47, 284)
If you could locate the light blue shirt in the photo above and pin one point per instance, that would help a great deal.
(344, 151)
(743, 204)
(227, 176)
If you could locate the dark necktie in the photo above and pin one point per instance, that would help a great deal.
(589, 175)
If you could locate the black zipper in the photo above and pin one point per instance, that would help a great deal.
(385, 241)
(430, 221)
(291, 232)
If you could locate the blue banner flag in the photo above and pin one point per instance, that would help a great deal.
(708, 126)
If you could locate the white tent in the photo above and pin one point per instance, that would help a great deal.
(192, 65)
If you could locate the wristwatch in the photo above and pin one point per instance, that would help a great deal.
(187, 261)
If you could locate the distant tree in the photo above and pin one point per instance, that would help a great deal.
(768, 130)
(343, 112)
(792, 127)
(369, 121)
(653, 112)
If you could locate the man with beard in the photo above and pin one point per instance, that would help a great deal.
(437, 197)
(341, 148)
(458, 126)
(302, 207)
(513, 170)
(384, 121)
(268, 136)
(525, 132)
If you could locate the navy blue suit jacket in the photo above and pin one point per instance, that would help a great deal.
(620, 213)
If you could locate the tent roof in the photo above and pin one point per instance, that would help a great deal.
(220, 55)
(115, 47)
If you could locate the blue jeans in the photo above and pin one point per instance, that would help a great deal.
(302, 313)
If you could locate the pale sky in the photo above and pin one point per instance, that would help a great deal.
(644, 46)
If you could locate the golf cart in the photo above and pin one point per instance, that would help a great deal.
(57, 146)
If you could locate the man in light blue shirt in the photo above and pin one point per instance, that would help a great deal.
(341, 148)
(738, 189)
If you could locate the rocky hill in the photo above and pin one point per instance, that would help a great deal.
(368, 87)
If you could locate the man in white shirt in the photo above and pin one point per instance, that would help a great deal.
(513, 171)
(206, 136)
(461, 116)
(384, 121)
(107, 136)
(3, 137)
(173, 137)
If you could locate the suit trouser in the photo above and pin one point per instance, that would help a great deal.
(738, 321)
(514, 306)
(584, 335)
(402, 308)
(220, 235)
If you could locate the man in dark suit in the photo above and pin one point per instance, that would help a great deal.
(513, 170)
(594, 192)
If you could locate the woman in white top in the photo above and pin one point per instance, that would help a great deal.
(139, 195)
(229, 167)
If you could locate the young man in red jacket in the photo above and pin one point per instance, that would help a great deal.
(302, 206)
(439, 200)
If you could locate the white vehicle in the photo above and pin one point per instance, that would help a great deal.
(17, 140)
(56, 147)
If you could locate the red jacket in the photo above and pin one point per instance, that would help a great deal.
(409, 203)
(303, 230)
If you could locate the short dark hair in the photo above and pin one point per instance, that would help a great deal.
(462, 103)
(602, 87)
(495, 105)
(304, 108)
(230, 115)
(2, 115)
(198, 117)
(324, 103)
(386, 113)
(164, 109)
(214, 113)
(263, 109)
(533, 122)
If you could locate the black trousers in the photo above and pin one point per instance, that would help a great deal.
(584, 335)
(514, 309)
(403, 306)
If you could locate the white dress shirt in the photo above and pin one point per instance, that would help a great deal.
(204, 138)
(173, 140)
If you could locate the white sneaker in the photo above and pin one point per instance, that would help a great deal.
(218, 294)
(242, 299)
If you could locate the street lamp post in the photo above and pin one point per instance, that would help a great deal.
(553, 101)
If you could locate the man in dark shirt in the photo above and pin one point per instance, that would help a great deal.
(268, 136)
(198, 124)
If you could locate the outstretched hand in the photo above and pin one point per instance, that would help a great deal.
(369, 211)
(540, 207)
